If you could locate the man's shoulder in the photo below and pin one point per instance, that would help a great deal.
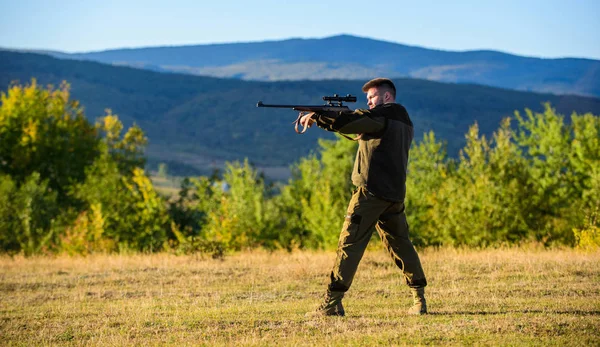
(389, 110)
(397, 112)
(394, 105)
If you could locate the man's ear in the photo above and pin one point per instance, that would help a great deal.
(387, 97)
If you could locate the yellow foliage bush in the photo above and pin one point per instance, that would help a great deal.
(85, 235)
(588, 238)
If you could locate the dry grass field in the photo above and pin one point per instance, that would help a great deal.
(529, 297)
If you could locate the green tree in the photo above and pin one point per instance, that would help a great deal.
(241, 218)
(188, 213)
(66, 181)
(117, 191)
(314, 202)
(428, 168)
(546, 138)
(127, 150)
(43, 131)
(585, 160)
(45, 146)
(485, 200)
(27, 215)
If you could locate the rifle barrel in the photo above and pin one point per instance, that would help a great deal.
(260, 104)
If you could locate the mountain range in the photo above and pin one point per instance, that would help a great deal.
(359, 58)
(195, 123)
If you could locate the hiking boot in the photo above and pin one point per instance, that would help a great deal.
(331, 306)
(419, 306)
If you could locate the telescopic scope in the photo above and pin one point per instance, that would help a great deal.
(337, 98)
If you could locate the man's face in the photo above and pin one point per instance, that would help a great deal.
(375, 97)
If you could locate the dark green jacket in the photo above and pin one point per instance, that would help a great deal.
(382, 156)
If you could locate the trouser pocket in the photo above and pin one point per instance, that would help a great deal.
(350, 229)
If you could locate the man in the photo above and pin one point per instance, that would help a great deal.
(379, 174)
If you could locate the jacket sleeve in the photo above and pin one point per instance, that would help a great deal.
(359, 121)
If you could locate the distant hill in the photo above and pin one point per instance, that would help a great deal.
(350, 57)
(195, 123)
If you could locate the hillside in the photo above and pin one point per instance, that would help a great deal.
(350, 57)
(195, 123)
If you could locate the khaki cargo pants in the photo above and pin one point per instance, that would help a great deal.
(364, 212)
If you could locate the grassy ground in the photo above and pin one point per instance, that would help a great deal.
(490, 297)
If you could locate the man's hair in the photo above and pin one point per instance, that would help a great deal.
(380, 82)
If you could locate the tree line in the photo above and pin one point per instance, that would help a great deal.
(70, 186)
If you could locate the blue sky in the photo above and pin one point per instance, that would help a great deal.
(540, 28)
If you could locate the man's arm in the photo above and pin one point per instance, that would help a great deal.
(355, 122)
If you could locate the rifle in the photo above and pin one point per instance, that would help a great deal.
(329, 106)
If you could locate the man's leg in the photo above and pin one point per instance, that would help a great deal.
(362, 213)
(393, 229)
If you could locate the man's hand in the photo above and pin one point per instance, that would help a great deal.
(306, 120)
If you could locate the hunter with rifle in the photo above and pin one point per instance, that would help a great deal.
(385, 133)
